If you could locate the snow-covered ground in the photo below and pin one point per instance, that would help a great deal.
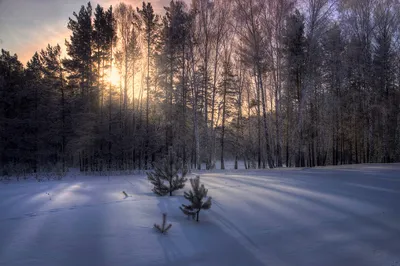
(324, 216)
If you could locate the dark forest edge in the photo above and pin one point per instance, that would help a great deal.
(269, 82)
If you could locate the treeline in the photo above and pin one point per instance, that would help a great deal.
(269, 82)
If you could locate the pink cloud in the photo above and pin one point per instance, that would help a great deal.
(28, 26)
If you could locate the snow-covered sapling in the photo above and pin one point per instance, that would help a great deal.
(168, 175)
(198, 199)
(163, 228)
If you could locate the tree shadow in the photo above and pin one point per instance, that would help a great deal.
(359, 225)
(206, 242)
(56, 237)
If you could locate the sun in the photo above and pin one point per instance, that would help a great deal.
(114, 78)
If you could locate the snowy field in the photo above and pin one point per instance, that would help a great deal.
(323, 216)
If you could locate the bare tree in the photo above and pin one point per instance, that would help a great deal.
(255, 54)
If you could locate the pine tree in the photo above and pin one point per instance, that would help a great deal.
(150, 29)
(58, 99)
(294, 45)
(166, 177)
(100, 51)
(163, 228)
(36, 97)
(227, 90)
(81, 78)
(196, 197)
(11, 112)
(79, 50)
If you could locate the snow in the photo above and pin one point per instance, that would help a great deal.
(347, 215)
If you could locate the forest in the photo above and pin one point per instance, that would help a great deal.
(266, 83)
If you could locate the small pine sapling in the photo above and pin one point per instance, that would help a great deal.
(156, 180)
(198, 199)
(164, 227)
(168, 175)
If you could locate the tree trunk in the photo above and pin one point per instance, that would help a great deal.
(223, 127)
(109, 113)
(258, 120)
(146, 148)
(268, 151)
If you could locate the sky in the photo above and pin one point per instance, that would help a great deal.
(27, 26)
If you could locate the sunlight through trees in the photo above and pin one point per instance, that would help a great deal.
(267, 83)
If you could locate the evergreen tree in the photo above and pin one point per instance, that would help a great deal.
(110, 40)
(135, 53)
(81, 78)
(227, 90)
(168, 175)
(163, 228)
(334, 75)
(36, 100)
(11, 87)
(100, 51)
(79, 49)
(59, 130)
(198, 199)
(322, 83)
(171, 65)
(150, 29)
(294, 56)
(384, 81)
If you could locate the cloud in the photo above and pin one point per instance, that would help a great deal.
(28, 26)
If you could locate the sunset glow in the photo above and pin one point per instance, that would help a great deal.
(172, 97)
(114, 78)
(42, 22)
